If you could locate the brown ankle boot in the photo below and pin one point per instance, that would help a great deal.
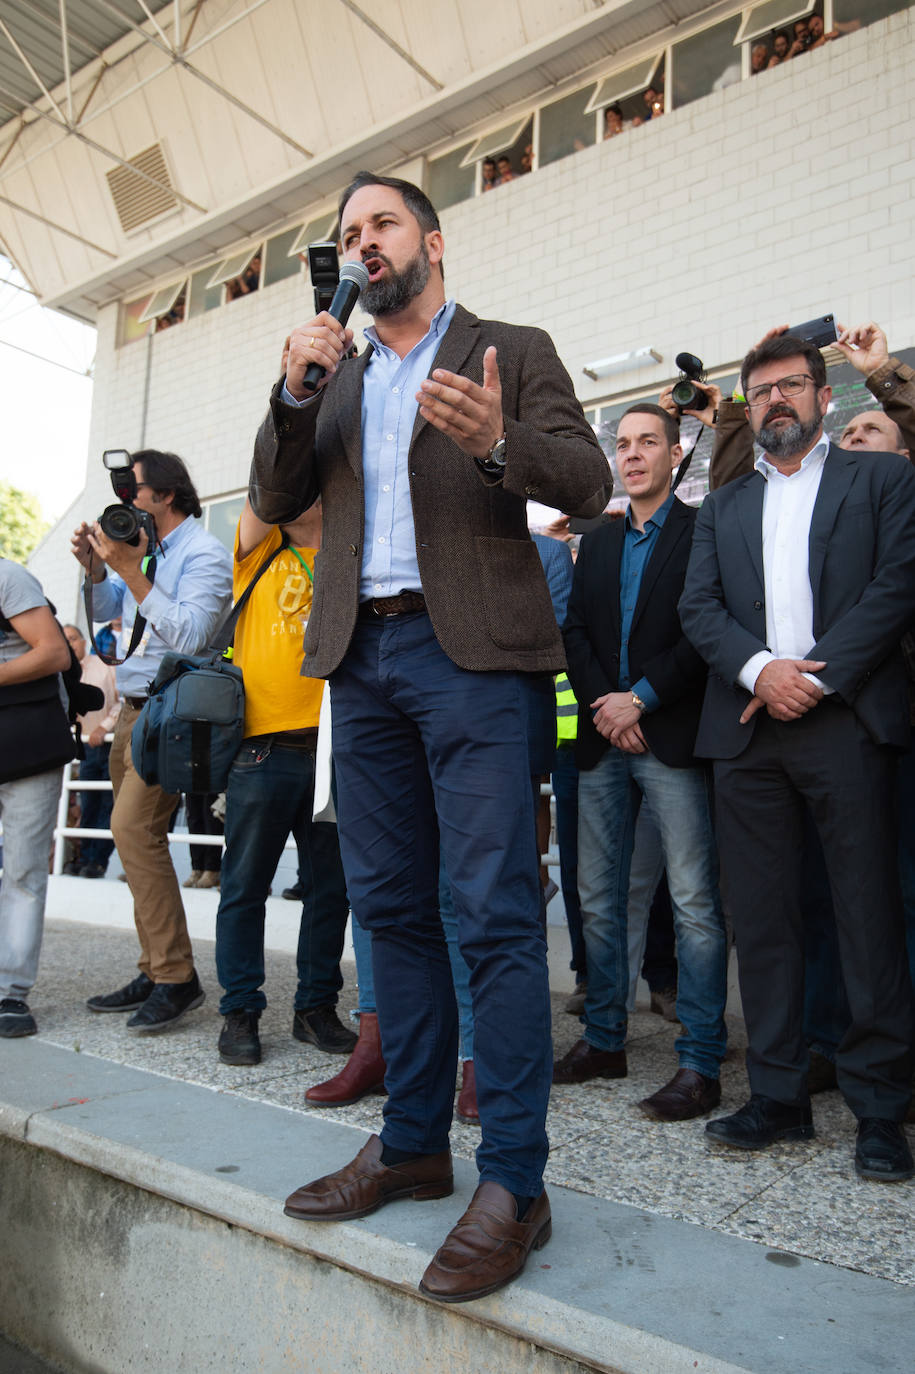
(362, 1074)
(467, 1110)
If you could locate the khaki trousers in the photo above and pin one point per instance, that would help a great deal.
(139, 824)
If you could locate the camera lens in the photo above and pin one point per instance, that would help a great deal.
(687, 395)
(120, 523)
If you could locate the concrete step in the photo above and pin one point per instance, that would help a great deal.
(143, 1231)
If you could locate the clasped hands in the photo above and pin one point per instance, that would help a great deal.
(784, 691)
(617, 717)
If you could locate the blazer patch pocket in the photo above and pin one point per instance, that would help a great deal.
(516, 603)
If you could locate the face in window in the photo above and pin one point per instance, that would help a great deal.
(759, 57)
(488, 172)
(781, 46)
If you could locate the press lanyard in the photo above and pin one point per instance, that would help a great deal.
(303, 563)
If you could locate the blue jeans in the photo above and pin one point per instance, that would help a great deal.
(270, 793)
(423, 748)
(95, 807)
(608, 800)
(29, 809)
(365, 980)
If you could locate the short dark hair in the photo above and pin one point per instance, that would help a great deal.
(167, 472)
(616, 108)
(670, 423)
(784, 346)
(416, 201)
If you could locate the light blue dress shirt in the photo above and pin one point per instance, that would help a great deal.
(389, 406)
(190, 597)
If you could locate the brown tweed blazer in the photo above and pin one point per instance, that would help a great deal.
(481, 574)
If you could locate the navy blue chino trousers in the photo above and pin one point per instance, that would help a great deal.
(427, 755)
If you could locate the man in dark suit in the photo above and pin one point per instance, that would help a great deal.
(801, 583)
(429, 601)
(639, 686)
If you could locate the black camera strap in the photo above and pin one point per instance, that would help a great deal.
(224, 635)
(139, 623)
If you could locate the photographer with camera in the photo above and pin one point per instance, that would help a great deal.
(182, 604)
(865, 346)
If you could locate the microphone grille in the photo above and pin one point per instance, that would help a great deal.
(356, 273)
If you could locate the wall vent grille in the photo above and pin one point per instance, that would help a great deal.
(137, 200)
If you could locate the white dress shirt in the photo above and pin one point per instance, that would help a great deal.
(788, 504)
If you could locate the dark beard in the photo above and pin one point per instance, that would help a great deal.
(396, 290)
(793, 439)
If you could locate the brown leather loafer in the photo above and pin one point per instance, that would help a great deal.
(488, 1247)
(583, 1062)
(688, 1094)
(366, 1184)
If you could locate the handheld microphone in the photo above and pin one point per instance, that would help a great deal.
(353, 279)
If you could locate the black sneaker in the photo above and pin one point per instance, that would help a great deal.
(239, 1042)
(322, 1026)
(166, 1004)
(128, 998)
(761, 1122)
(15, 1019)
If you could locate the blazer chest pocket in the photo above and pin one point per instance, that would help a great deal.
(516, 602)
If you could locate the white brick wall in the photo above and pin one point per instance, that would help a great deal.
(770, 202)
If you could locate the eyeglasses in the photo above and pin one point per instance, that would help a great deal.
(788, 386)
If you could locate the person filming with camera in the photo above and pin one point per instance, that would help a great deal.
(182, 601)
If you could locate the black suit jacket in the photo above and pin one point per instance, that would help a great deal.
(658, 648)
(861, 555)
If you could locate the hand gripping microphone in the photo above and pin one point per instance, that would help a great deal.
(353, 279)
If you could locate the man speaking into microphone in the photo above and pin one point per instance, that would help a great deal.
(430, 609)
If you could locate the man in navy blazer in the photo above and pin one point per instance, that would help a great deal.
(639, 684)
(801, 583)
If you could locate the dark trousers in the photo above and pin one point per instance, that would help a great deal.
(565, 790)
(270, 793)
(828, 760)
(423, 750)
(205, 858)
(95, 807)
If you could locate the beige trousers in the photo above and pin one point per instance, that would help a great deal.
(139, 824)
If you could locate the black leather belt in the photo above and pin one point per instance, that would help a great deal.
(407, 603)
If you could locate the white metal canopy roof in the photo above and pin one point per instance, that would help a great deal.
(232, 116)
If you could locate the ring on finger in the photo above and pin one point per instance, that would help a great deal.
(312, 341)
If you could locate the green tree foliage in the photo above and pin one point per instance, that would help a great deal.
(21, 522)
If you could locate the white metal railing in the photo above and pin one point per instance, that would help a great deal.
(71, 783)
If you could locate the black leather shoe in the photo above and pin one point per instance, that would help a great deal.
(92, 871)
(16, 1019)
(882, 1151)
(239, 1042)
(166, 1004)
(584, 1062)
(128, 998)
(322, 1026)
(761, 1122)
(295, 893)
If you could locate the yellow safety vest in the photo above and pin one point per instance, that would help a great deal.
(566, 710)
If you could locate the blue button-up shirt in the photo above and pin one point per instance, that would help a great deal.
(389, 405)
(638, 546)
(189, 599)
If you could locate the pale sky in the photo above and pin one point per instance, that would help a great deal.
(44, 405)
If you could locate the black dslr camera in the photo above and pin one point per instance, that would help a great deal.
(123, 522)
(686, 393)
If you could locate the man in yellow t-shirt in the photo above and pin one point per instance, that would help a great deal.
(270, 793)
